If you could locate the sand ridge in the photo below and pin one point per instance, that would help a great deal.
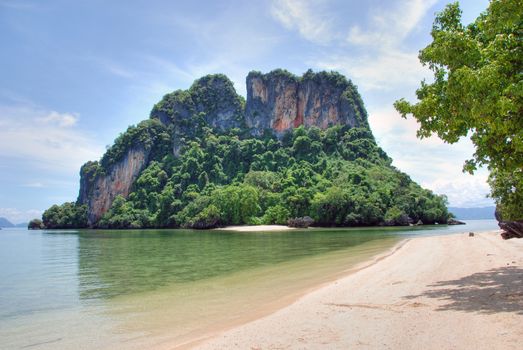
(440, 292)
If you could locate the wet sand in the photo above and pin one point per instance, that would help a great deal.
(440, 292)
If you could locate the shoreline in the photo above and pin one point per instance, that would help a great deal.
(255, 228)
(420, 288)
(281, 302)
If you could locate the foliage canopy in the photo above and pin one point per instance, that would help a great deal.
(338, 176)
(478, 91)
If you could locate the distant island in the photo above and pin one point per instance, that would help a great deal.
(5, 223)
(206, 157)
(480, 213)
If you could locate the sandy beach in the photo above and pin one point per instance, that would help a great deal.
(256, 228)
(440, 292)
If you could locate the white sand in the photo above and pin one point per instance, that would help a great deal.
(256, 228)
(443, 292)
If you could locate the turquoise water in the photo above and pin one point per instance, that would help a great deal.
(101, 289)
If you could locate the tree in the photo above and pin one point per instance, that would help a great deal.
(478, 91)
(276, 215)
(67, 215)
(207, 218)
(35, 224)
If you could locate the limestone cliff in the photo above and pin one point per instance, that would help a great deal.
(99, 192)
(280, 101)
(101, 182)
(277, 101)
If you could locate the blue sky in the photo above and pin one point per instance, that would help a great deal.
(76, 73)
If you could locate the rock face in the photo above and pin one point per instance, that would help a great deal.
(277, 102)
(280, 101)
(99, 192)
(454, 222)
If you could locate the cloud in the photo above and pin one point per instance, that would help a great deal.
(384, 71)
(17, 216)
(431, 162)
(467, 191)
(62, 120)
(378, 59)
(44, 139)
(308, 17)
(389, 27)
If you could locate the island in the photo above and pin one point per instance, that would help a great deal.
(206, 157)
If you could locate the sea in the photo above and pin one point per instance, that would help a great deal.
(136, 289)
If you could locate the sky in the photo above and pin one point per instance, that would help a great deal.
(75, 74)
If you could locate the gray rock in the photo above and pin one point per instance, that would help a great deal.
(303, 222)
(281, 101)
(455, 222)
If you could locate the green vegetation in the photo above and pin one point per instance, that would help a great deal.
(149, 134)
(67, 215)
(338, 176)
(478, 91)
(35, 224)
(186, 111)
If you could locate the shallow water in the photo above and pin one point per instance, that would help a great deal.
(136, 289)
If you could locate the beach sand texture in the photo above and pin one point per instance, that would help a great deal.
(256, 228)
(440, 292)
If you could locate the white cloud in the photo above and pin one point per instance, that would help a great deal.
(388, 28)
(385, 63)
(62, 120)
(431, 162)
(306, 16)
(17, 216)
(387, 70)
(44, 139)
(466, 191)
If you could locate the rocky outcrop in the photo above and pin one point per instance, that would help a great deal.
(277, 101)
(280, 101)
(98, 191)
(303, 222)
(452, 221)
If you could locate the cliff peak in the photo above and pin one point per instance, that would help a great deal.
(281, 101)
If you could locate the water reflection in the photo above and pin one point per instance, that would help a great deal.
(115, 263)
(132, 289)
